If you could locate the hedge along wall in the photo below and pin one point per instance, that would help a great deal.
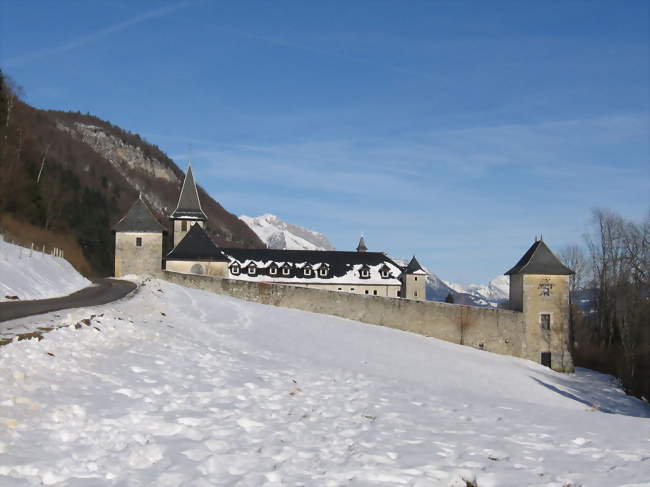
(495, 330)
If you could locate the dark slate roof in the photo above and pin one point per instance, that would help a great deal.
(362, 246)
(540, 260)
(196, 245)
(413, 266)
(339, 262)
(138, 219)
(189, 205)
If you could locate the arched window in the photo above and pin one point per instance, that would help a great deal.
(197, 269)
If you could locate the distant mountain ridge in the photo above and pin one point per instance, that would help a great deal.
(277, 234)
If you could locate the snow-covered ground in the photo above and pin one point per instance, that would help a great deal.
(178, 387)
(34, 275)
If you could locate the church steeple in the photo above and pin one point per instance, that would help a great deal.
(189, 206)
(362, 245)
(188, 211)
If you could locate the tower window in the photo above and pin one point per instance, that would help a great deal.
(375, 292)
(416, 278)
(366, 291)
(183, 226)
(415, 293)
(138, 241)
(545, 321)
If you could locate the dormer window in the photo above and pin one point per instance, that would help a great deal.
(307, 271)
(322, 272)
(235, 270)
(364, 273)
(252, 270)
(384, 272)
(286, 270)
(273, 270)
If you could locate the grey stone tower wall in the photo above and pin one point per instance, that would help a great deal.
(131, 259)
(415, 287)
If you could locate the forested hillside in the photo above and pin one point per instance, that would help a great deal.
(69, 176)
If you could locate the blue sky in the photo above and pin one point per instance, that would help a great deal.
(453, 130)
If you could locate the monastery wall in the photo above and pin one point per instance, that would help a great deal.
(494, 330)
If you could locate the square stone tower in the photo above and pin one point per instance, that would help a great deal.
(414, 281)
(188, 211)
(138, 242)
(539, 288)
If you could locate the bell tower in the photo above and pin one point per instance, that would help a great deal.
(188, 210)
(539, 288)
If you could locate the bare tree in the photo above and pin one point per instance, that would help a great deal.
(620, 259)
(573, 257)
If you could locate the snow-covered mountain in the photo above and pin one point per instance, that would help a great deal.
(495, 292)
(278, 234)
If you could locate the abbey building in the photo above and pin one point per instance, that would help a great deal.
(535, 327)
(360, 271)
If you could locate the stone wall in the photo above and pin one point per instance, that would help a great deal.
(131, 259)
(495, 330)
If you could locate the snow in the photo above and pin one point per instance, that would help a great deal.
(35, 275)
(352, 276)
(496, 291)
(277, 234)
(179, 387)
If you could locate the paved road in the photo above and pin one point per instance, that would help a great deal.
(105, 291)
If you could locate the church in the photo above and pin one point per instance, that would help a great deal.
(360, 271)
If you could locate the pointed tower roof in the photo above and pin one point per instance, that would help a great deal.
(139, 219)
(196, 245)
(189, 206)
(540, 260)
(362, 245)
(414, 267)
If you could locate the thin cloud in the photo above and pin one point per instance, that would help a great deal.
(87, 39)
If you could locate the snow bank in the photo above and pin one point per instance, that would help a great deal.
(35, 275)
(182, 387)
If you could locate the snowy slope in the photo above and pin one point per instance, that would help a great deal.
(281, 235)
(34, 275)
(176, 387)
